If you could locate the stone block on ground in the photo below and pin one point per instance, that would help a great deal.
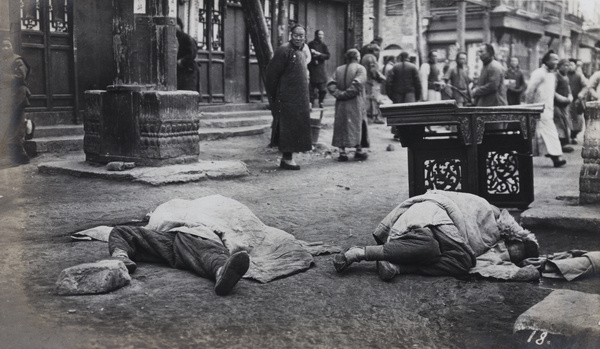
(92, 278)
(564, 319)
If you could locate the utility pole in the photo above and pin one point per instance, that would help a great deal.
(283, 22)
(419, 30)
(379, 13)
(561, 44)
(461, 15)
(487, 35)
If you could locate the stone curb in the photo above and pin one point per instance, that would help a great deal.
(580, 218)
(184, 173)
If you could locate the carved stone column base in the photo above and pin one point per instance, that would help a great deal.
(150, 128)
(589, 177)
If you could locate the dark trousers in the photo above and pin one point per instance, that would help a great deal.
(429, 252)
(13, 137)
(179, 250)
(513, 98)
(320, 87)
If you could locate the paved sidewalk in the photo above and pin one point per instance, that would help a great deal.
(556, 201)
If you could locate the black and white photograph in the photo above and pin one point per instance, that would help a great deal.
(299, 174)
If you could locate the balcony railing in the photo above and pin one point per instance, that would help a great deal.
(547, 9)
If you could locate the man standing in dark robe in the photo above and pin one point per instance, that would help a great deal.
(316, 67)
(14, 97)
(286, 82)
(188, 73)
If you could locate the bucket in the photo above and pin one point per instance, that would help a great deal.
(315, 128)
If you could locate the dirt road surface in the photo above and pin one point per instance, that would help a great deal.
(328, 201)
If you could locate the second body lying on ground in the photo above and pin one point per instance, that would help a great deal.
(444, 233)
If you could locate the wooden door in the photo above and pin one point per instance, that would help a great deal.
(330, 17)
(204, 21)
(47, 46)
(237, 57)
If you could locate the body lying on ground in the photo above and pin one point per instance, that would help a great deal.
(215, 237)
(443, 233)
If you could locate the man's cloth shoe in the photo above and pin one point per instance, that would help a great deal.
(560, 163)
(343, 157)
(340, 263)
(386, 270)
(288, 166)
(567, 149)
(361, 156)
(129, 264)
(235, 267)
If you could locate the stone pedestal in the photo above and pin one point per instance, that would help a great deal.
(141, 118)
(589, 177)
(150, 128)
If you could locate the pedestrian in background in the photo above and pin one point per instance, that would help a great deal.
(378, 40)
(316, 68)
(14, 97)
(562, 99)
(490, 90)
(347, 85)
(430, 79)
(541, 89)
(286, 83)
(374, 80)
(515, 82)
(577, 82)
(388, 64)
(403, 84)
(592, 89)
(188, 72)
(458, 78)
(445, 91)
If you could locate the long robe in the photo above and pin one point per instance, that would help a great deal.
(316, 67)
(561, 114)
(347, 85)
(287, 85)
(540, 89)
(188, 72)
(373, 85)
(14, 97)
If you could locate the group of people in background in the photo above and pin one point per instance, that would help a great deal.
(296, 80)
(360, 85)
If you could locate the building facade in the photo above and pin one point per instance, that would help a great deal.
(69, 45)
(522, 28)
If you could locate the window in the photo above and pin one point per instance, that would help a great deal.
(394, 7)
(30, 14)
